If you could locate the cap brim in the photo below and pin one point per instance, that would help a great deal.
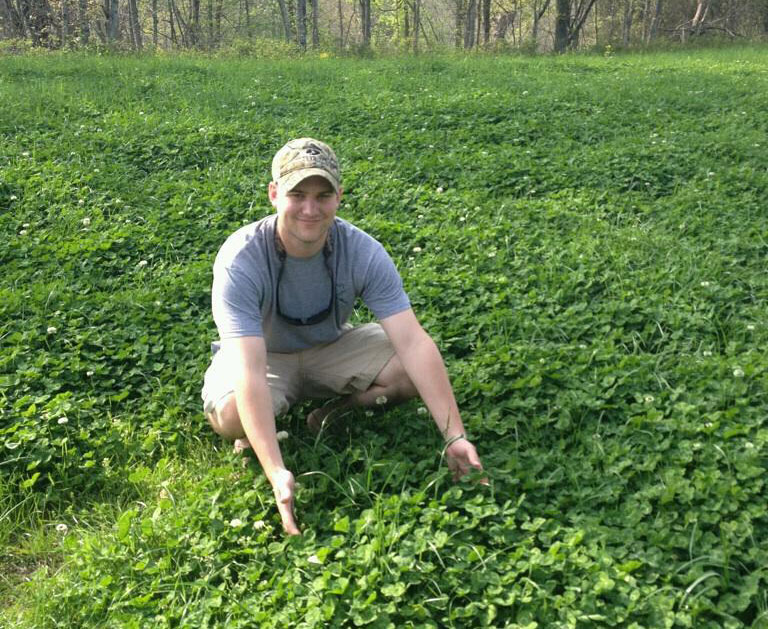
(296, 177)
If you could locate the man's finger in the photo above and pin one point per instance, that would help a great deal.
(285, 507)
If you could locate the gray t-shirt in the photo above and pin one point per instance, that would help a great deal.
(245, 285)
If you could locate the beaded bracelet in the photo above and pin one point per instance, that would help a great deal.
(452, 440)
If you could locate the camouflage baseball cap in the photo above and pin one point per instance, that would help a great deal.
(304, 158)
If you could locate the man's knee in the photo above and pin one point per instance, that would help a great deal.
(224, 418)
(395, 377)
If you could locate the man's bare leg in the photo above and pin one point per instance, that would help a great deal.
(392, 386)
(225, 421)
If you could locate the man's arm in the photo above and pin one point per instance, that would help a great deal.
(248, 356)
(424, 365)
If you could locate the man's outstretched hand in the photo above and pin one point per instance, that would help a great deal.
(461, 457)
(283, 485)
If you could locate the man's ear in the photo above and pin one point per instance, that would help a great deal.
(272, 192)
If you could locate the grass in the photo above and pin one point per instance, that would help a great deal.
(583, 236)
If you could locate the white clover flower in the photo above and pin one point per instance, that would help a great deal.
(704, 284)
(23, 232)
(86, 221)
(81, 201)
(462, 219)
(52, 330)
(417, 249)
(648, 399)
(492, 254)
(282, 435)
(421, 410)
(62, 420)
(750, 327)
(525, 92)
(706, 352)
(738, 372)
(749, 445)
(25, 154)
(62, 528)
(96, 170)
(141, 113)
(382, 399)
(143, 263)
(259, 524)
(88, 373)
(440, 190)
(14, 197)
(235, 523)
(710, 174)
(420, 216)
(582, 346)
(314, 559)
(369, 413)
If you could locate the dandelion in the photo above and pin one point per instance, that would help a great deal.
(86, 221)
(421, 410)
(282, 435)
(62, 420)
(143, 263)
(62, 528)
(382, 399)
(417, 249)
(314, 559)
(52, 330)
(235, 523)
(738, 372)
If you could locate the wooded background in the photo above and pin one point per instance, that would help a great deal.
(271, 26)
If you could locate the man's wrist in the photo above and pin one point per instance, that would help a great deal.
(451, 440)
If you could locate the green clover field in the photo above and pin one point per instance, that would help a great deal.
(584, 236)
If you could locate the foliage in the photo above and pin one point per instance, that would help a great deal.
(585, 238)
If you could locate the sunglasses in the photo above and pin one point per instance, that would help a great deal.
(315, 318)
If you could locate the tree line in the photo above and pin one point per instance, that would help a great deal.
(361, 25)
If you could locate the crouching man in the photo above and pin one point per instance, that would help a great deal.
(283, 290)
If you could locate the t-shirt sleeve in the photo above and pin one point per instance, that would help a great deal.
(236, 299)
(383, 291)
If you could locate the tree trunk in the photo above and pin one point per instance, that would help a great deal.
(626, 26)
(406, 22)
(65, 23)
(13, 19)
(365, 22)
(217, 23)
(285, 18)
(654, 28)
(341, 24)
(112, 13)
(154, 24)
(469, 25)
(416, 25)
(461, 12)
(486, 22)
(138, 41)
(562, 25)
(301, 23)
(315, 24)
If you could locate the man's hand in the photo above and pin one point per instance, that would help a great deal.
(282, 485)
(461, 457)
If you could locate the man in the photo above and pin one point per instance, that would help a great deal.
(283, 290)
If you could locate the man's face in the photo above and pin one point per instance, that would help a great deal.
(304, 214)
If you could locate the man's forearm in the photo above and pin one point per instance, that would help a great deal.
(254, 405)
(424, 366)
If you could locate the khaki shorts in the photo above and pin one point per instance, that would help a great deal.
(348, 365)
